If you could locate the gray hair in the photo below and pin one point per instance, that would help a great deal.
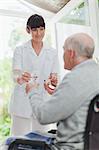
(82, 43)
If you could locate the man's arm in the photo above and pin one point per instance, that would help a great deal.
(61, 104)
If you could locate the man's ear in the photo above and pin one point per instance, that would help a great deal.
(28, 30)
(71, 53)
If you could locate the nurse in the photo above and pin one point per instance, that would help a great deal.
(32, 62)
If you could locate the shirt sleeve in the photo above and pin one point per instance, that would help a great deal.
(17, 59)
(17, 63)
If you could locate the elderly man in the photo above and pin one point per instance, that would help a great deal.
(69, 102)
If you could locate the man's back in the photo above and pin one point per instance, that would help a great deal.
(83, 85)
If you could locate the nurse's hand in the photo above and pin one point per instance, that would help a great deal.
(24, 78)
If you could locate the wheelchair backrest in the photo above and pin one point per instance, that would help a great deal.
(92, 126)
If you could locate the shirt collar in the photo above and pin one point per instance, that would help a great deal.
(88, 61)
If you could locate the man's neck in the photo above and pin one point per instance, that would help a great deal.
(80, 60)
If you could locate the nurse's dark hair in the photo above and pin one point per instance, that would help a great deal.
(35, 21)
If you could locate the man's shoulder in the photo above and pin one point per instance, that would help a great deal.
(83, 71)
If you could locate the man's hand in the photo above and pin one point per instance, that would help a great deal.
(53, 79)
(51, 83)
(49, 87)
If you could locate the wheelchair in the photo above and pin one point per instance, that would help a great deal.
(34, 142)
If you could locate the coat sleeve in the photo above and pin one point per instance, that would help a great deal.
(64, 102)
(17, 63)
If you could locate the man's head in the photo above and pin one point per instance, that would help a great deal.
(77, 48)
